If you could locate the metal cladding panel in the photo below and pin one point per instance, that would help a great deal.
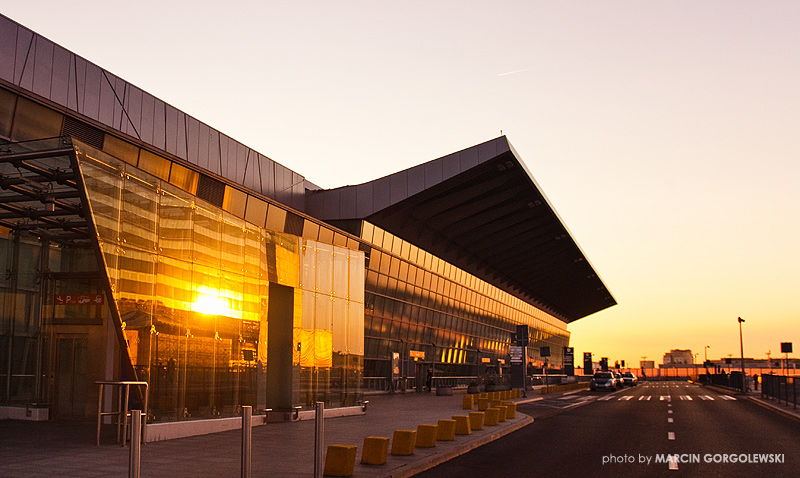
(108, 100)
(225, 165)
(267, 175)
(381, 195)
(76, 77)
(91, 91)
(8, 48)
(451, 166)
(433, 173)
(489, 150)
(331, 204)
(133, 102)
(171, 129)
(214, 145)
(203, 133)
(469, 158)
(298, 192)
(146, 131)
(192, 139)
(364, 199)
(416, 179)
(159, 124)
(181, 150)
(347, 203)
(43, 67)
(23, 74)
(398, 188)
(59, 87)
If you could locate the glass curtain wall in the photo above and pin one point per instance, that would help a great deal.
(191, 284)
(420, 305)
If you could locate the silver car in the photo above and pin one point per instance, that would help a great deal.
(603, 381)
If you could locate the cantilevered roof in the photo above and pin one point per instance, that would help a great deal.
(481, 210)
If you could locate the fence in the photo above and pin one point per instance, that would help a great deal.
(779, 387)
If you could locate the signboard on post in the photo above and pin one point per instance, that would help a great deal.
(569, 361)
(786, 347)
(522, 335)
(587, 363)
(518, 367)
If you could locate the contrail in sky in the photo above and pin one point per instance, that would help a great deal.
(515, 71)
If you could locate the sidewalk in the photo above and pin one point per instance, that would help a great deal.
(789, 411)
(34, 449)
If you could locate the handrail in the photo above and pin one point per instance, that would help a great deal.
(122, 412)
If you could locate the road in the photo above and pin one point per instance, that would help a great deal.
(653, 429)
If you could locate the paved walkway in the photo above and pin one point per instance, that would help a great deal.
(35, 449)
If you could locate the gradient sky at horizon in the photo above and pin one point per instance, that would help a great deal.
(665, 133)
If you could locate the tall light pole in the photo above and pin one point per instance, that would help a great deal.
(706, 352)
(741, 349)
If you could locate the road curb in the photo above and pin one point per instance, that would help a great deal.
(438, 459)
(773, 408)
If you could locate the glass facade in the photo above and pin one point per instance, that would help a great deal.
(191, 284)
(432, 313)
(189, 310)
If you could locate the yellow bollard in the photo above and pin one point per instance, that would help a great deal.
(468, 402)
(462, 425)
(426, 436)
(375, 450)
(483, 404)
(340, 460)
(511, 409)
(501, 414)
(446, 430)
(403, 442)
(476, 420)
(492, 416)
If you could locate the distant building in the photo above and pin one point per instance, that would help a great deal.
(647, 364)
(678, 357)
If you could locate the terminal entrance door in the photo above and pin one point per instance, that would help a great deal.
(70, 386)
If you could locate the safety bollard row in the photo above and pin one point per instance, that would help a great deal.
(493, 409)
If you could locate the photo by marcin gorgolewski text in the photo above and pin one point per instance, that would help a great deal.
(695, 458)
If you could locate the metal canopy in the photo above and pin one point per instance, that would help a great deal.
(40, 193)
(490, 218)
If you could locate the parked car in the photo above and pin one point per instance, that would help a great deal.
(629, 379)
(603, 381)
(618, 378)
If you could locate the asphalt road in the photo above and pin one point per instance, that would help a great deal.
(656, 428)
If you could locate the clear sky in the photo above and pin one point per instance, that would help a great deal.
(665, 133)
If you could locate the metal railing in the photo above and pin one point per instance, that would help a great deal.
(779, 387)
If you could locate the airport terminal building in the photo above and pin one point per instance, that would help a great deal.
(139, 244)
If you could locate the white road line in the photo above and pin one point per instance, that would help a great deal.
(706, 397)
(670, 420)
(625, 397)
(606, 398)
(670, 435)
(727, 397)
(644, 397)
(686, 397)
(666, 397)
(669, 411)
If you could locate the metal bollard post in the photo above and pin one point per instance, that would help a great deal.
(247, 434)
(319, 438)
(136, 440)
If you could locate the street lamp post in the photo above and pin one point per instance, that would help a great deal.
(706, 352)
(741, 349)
